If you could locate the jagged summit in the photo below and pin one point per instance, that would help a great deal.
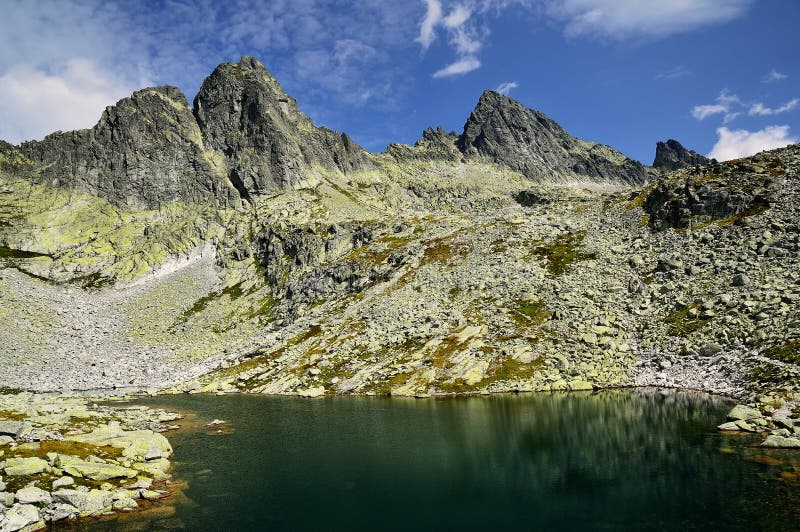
(244, 137)
(504, 131)
(671, 155)
(145, 151)
(268, 142)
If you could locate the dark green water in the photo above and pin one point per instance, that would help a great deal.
(617, 460)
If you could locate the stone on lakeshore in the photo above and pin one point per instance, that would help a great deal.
(23, 517)
(312, 392)
(63, 482)
(784, 422)
(150, 495)
(25, 466)
(579, 385)
(125, 504)
(86, 502)
(57, 512)
(95, 471)
(744, 413)
(155, 468)
(730, 425)
(781, 442)
(32, 495)
(5, 440)
(744, 425)
(136, 443)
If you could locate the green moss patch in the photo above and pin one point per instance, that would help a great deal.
(562, 252)
(682, 323)
(788, 352)
(530, 314)
(442, 252)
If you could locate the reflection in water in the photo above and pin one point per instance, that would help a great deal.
(626, 459)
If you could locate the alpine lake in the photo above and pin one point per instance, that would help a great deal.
(633, 459)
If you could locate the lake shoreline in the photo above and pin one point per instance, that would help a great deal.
(41, 420)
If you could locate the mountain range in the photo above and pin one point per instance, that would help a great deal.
(234, 245)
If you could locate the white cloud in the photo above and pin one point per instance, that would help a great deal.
(759, 109)
(677, 72)
(701, 112)
(624, 19)
(505, 88)
(321, 54)
(465, 37)
(34, 103)
(733, 144)
(427, 28)
(457, 17)
(462, 66)
(725, 105)
(773, 76)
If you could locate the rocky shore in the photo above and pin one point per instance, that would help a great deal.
(66, 457)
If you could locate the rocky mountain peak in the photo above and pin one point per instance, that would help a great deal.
(671, 155)
(145, 151)
(503, 131)
(269, 143)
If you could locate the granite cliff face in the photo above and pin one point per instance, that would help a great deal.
(502, 131)
(671, 155)
(268, 143)
(146, 151)
(245, 137)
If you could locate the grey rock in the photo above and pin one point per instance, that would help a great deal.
(744, 413)
(741, 279)
(781, 442)
(13, 429)
(63, 482)
(20, 516)
(708, 192)
(6, 499)
(671, 155)
(87, 502)
(60, 511)
(32, 495)
(434, 144)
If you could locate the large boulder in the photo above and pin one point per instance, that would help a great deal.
(136, 444)
(87, 503)
(13, 429)
(98, 471)
(781, 442)
(18, 467)
(744, 413)
(32, 495)
(21, 517)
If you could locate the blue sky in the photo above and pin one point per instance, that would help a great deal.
(721, 76)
